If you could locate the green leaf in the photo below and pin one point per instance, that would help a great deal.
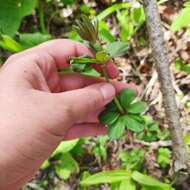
(106, 177)
(111, 9)
(68, 2)
(91, 72)
(163, 157)
(182, 21)
(8, 43)
(66, 166)
(29, 40)
(117, 49)
(187, 139)
(78, 67)
(116, 130)
(126, 96)
(133, 124)
(45, 164)
(108, 118)
(65, 146)
(149, 181)
(128, 185)
(86, 29)
(12, 12)
(137, 107)
(102, 56)
(106, 36)
(85, 59)
(111, 107)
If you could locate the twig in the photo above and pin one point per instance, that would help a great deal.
(162, 65)
(156, 144)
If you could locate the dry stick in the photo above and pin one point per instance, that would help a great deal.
(160, 55)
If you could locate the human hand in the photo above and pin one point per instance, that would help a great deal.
(39, 108)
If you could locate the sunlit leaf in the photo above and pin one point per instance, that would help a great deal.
(106, 177)
(65, 146)
(127, 184)
(149, 181)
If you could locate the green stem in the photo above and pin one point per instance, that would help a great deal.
(41, 16)
(116, 101)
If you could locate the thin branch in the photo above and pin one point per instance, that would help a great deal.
(160, 55)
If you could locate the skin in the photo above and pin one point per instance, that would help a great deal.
(40, 108)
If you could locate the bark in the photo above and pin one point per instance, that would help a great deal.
(160, 54)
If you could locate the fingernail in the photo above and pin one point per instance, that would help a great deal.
(108, 91)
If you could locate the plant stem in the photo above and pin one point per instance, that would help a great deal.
(116, 101)
(41, 16)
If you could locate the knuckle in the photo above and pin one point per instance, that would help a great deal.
(94, 100)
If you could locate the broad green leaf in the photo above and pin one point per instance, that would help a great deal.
(182, 20)
(12, 12)
(106, 177)
(116, 129)
(108, 118)
(126, 96)
(66, 165)
(133, 124)
(65, 146)
(149, 181)
(128, 185)
(137, 107)
(29, 40)
(117, 49)
(8, 43)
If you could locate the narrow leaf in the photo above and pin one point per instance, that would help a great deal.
(106, 177)
(149, 181)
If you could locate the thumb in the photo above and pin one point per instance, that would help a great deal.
(81, 102)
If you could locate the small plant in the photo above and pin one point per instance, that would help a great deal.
(182, 20)
(152, 131)
(124, 111)
(132, 160)
(124, 179)
(163, 157)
